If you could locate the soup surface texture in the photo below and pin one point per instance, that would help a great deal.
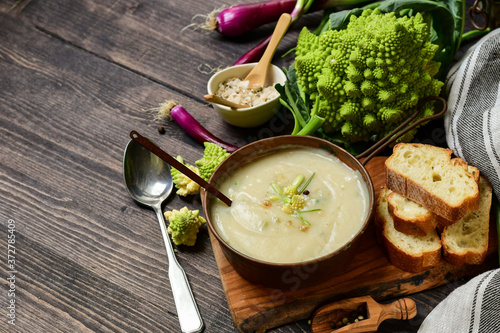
(334, 206)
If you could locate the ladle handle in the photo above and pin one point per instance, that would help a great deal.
(187, 311)
(179, 166)
(400, 130)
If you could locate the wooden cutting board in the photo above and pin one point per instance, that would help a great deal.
(257, 308)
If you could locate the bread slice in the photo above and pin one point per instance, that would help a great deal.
(412, 218)
(409, 253)
(471, 169)
(466, 241)
(409, 217)
(426, 174)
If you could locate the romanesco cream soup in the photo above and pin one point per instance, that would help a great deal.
(291, 206)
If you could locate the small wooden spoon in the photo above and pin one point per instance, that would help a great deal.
(222, 101)
(258, 74)
(326, 317)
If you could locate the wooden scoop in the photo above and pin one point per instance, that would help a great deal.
(325, 319)
(258, 74)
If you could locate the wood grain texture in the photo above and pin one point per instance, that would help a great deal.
(65, 118)
(148, 36)
(256, 307)
(75, 78)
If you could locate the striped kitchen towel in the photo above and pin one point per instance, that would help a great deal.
(471, 308)
(472, 124)
(472, 121)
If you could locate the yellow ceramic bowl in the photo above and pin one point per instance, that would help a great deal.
(252, 116)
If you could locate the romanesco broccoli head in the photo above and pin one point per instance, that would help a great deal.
(184, 225)
(212, 157)
(369, 76)
(185, 186)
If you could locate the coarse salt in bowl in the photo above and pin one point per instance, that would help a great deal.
(252, 116)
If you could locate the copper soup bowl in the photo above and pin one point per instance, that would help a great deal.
(287, 275)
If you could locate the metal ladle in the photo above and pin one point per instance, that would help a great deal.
(149, 182)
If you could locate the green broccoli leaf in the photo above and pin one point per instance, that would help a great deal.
(340, 20)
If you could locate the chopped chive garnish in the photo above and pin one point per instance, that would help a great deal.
(306, 211)
(277, 189)
(310, 210)
(303, 219)
(307, 183)
(298, 181)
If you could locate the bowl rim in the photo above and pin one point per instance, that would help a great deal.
(251, 108)
(371, 191)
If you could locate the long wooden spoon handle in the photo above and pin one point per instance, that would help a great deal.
(403, 309)
(278, 34)
(258, 74)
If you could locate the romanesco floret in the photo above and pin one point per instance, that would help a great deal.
(212, 157)
(185, 186)
(297, 202)
(184, 225)
(205, 167)
(370, 76)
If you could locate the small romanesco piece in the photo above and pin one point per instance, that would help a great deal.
(184, 225)
(293, 198)
(293, 189)
(212, 157)
(370, 76)
(185, 186)
(297, 202)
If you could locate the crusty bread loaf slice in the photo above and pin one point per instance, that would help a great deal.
(409, 217)
(409, 253)
(427, 175)
(412, 218)
(466, 241)
(441, 221)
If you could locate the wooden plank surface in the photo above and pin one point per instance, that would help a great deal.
(83, 243)
(257, 307)
(149, 36)
(75, 78)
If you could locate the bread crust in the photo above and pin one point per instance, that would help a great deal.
(406, 261)
(407, 187)
(471, 258)
(417, 226)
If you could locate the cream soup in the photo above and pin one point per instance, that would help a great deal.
(334, 207)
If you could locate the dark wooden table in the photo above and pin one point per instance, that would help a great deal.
(75, 78)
